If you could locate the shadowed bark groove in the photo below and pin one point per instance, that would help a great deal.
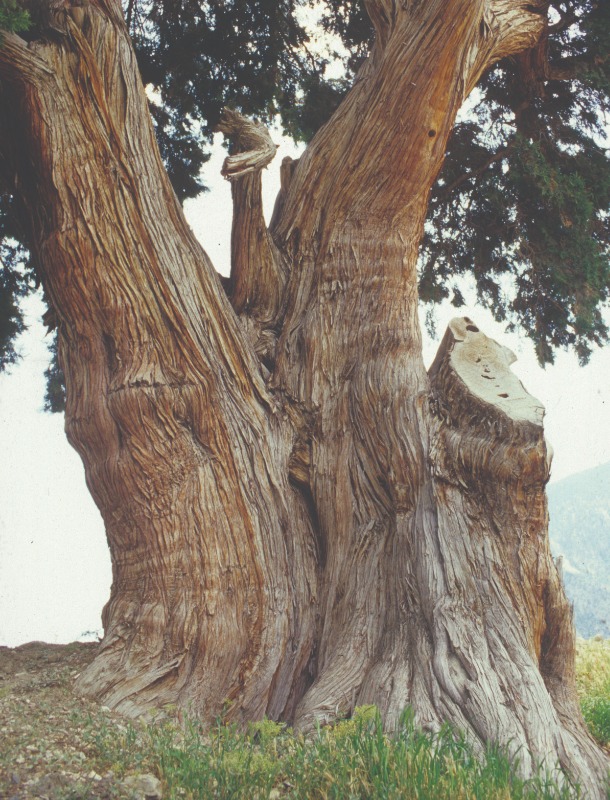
(334, 526)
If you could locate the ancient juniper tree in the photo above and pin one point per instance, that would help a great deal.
(300, 517)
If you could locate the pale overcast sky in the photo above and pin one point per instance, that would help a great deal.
(54, 564)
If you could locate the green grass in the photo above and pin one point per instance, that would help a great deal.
(593, 678)
(352, 760)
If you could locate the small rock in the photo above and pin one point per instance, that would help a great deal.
(20, 760)
(93, 776)
(105, 709)
(53, 784)
(144, 787)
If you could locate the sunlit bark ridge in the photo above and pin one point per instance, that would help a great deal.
(301, 518)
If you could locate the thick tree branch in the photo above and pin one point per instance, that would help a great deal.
(423, 73)
(258, 275)
(507, 28)
(165, 402)
(382, 14)
(19, 62)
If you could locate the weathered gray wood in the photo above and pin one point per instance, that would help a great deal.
(300, 518)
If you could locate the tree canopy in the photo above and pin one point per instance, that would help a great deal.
(520, 207)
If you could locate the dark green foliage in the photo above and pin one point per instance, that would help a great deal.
(55, 394)
(16, 278)
(12, 17)
(523, 199)
(15, 283)
(347, 24)
(313, 107)
(11, 319)
(348, 21)
(182, 150)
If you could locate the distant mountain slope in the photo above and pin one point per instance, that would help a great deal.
(579, 508)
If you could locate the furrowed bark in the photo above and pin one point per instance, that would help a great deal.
(185, 453)
(348, 528)
(505, 629)
(258, 273)
(438, 588)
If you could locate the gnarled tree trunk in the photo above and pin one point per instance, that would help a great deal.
(300, 518)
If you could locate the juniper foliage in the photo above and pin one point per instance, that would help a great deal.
(12, 16)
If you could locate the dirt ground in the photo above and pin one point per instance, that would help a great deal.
(43, 750)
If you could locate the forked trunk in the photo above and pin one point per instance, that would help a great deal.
(301, 519)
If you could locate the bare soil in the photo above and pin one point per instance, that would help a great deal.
(43, 752)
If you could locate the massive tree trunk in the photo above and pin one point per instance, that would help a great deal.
(300, 518)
